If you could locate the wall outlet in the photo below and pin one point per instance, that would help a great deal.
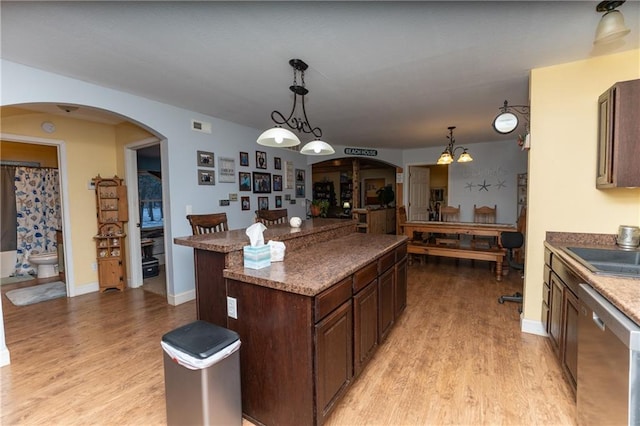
(232, 307)
(94, 266)
(189, 209)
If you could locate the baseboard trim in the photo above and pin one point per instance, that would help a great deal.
(86, 289)
(533, 327)
(181, 298)
(5, 358)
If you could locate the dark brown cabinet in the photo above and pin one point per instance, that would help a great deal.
(334, 356)
(300, 353)
(618, 130)
(386, 303)
(365, 325)
(563, 308)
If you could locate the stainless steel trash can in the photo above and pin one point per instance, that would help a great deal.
(202, 375)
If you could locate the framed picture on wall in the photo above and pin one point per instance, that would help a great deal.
(206, 177)
(261, 160)
(261, 183)
(278, 201)
(246, 203)
(245, 181)
(263, 203)
(299, 190)
(226, 169)
(277, 163)
(244, 158)
(288, 174)
(205, 159)
(299, 175)
(277, 182)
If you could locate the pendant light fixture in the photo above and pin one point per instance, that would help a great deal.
(449, 151)
(611, 26)
(280, 137)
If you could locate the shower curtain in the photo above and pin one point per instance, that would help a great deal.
(37, 198)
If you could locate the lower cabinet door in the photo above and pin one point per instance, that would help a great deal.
(400, 290)
(365, 326)
(570, 336)
(555, 313)
(386, 303)
(334, 357)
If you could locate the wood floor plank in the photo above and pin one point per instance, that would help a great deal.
(455, 357)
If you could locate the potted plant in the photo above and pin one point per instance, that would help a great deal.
(319, 208)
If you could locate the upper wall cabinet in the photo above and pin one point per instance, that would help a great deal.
(619, 136)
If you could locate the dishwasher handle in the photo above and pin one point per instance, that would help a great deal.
(598, 322)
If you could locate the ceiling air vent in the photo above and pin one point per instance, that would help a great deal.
(201, 126)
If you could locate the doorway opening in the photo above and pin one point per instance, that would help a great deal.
(428, 191)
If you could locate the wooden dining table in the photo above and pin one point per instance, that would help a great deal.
(461, 228)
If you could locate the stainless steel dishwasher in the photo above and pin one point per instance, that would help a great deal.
(608, 363)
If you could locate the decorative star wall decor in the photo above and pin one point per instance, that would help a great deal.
(469, 186)
(501, 184)
(484, 186)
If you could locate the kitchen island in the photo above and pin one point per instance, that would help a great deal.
(310, 324)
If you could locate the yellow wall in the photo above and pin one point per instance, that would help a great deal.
(562, 160)
(90, 150)
(46, 155)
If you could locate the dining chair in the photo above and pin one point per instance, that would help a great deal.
(449, 214)
(208, 223)
(272, 217)
(416, 238)
(484, 214)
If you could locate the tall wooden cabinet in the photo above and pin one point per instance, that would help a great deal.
(112, 213)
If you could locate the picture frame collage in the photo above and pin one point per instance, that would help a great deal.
(258, 181)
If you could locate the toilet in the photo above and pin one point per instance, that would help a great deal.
(46, 263)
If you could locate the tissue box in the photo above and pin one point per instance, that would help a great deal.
(257, 257)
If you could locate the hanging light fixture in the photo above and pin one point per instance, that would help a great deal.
(611, 26)
(281, 137)
(449, 151)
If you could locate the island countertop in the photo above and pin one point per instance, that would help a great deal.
(234, 240)
(313, 269)
(622, 292)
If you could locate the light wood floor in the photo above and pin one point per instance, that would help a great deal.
(455, 357)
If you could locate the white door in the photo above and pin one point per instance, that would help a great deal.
(419, 192)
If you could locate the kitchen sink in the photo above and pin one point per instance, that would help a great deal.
(608, 261)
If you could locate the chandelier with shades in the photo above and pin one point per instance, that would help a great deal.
(450, 150)
(280, 137)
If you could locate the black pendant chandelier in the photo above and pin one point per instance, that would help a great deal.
(280, 137)
(449, 151)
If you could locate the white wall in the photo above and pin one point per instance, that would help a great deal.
(22, 84)
(495, 164)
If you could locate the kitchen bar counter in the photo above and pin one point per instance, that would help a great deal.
(622, 292)
(311, 270)
(217, 251)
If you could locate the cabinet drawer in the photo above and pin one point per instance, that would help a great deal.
(565, 274)
(331, 298)
(547, 256)
(401, 252)
(546, 291)
(386, 261)
(364, 276)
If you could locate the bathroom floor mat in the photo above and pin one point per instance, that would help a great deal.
(38, 293)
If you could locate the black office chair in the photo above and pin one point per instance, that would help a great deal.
(510, 241)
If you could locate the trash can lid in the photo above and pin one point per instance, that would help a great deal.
(200, 339)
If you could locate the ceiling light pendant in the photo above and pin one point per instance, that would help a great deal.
(449, 151)
(611, 26)
(280, 137)
(317, 147)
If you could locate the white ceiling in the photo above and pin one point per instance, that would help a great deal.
(381, 74)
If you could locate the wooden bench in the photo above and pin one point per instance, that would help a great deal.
(489, 254)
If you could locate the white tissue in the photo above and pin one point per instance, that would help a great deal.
(254, 232)
(277, 249)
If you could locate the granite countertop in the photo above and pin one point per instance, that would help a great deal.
(622, 292)
(225, 242)
(311, 270)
